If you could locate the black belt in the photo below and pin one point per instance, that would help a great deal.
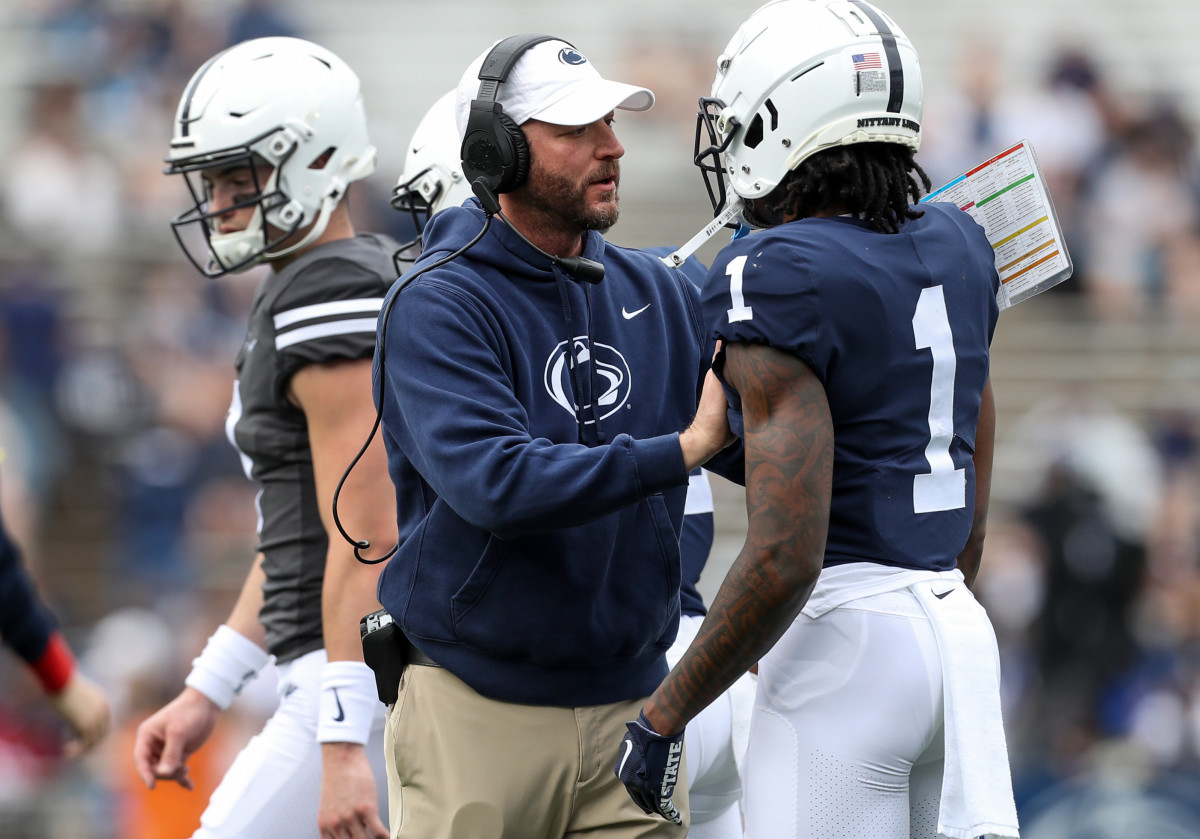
(414, 656)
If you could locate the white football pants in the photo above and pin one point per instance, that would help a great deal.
(273, 788)
(846, 737)
(714, 784)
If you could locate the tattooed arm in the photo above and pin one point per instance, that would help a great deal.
(789, 474)
(985, 438)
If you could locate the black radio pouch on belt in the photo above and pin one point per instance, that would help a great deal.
(383, 651)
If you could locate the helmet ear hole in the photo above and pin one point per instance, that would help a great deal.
(322, 160)
(754, 132)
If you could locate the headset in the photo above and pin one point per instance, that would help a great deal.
(494, 147)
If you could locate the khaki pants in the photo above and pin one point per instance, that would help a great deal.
(461, 766)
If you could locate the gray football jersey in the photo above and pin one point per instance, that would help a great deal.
(322, 307)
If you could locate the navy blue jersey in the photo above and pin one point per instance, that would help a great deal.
(897, 327)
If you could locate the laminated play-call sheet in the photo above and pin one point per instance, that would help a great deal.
(1007, 195)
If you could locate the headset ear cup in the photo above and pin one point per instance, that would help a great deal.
(481, 158)
(517, 169)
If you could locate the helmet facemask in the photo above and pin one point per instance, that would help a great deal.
(709, 160)
(417, 197)
(236, 251)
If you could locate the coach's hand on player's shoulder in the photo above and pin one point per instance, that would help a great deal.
(709, 432)
(648, 765)
(168, 738)
(349, 807)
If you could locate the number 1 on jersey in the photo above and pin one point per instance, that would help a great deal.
(944, 488)
(740, 310)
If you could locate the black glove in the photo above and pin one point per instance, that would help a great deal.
(648, 766)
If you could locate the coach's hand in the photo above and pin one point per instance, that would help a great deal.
(648, 766)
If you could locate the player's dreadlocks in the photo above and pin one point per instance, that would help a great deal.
(875, 181)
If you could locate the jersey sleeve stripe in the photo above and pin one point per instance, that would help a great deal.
(326, 330)
(334, 307)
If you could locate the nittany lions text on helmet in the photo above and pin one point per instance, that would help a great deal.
(432, 178)
(800, 76)
(282, 103)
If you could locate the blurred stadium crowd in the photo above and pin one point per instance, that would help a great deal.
(135, 518)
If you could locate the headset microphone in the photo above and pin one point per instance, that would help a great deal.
(584, 270)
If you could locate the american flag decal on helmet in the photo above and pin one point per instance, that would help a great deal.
(867, 61)
(895, 68)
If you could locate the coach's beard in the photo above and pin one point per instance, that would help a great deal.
(565, 200)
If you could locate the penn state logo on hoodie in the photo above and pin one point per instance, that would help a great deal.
(612, 376)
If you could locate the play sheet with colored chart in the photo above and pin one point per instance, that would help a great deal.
(1007, 195)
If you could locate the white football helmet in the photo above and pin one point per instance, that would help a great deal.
(432, 178)
(800, 76)
(285, 102)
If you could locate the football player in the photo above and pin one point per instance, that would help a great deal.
(432, 180)
(856, 332)
(269, 136)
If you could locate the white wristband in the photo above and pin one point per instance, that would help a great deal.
(349, 700)
(229, 662)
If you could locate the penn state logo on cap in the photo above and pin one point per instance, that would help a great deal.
(554, 83)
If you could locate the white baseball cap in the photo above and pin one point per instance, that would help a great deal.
(554, 83)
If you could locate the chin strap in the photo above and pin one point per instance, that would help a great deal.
(232, 249)
(354, 169)
(253, 236)
(676, 258)
(229, 250)
(323, 215)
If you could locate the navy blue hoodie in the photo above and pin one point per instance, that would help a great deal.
(540, 555)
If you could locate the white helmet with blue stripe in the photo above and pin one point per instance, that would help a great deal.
(283, 102)
(800, 76)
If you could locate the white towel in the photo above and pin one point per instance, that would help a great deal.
(977, 797)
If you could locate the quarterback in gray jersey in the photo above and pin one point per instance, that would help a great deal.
(269, 135)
